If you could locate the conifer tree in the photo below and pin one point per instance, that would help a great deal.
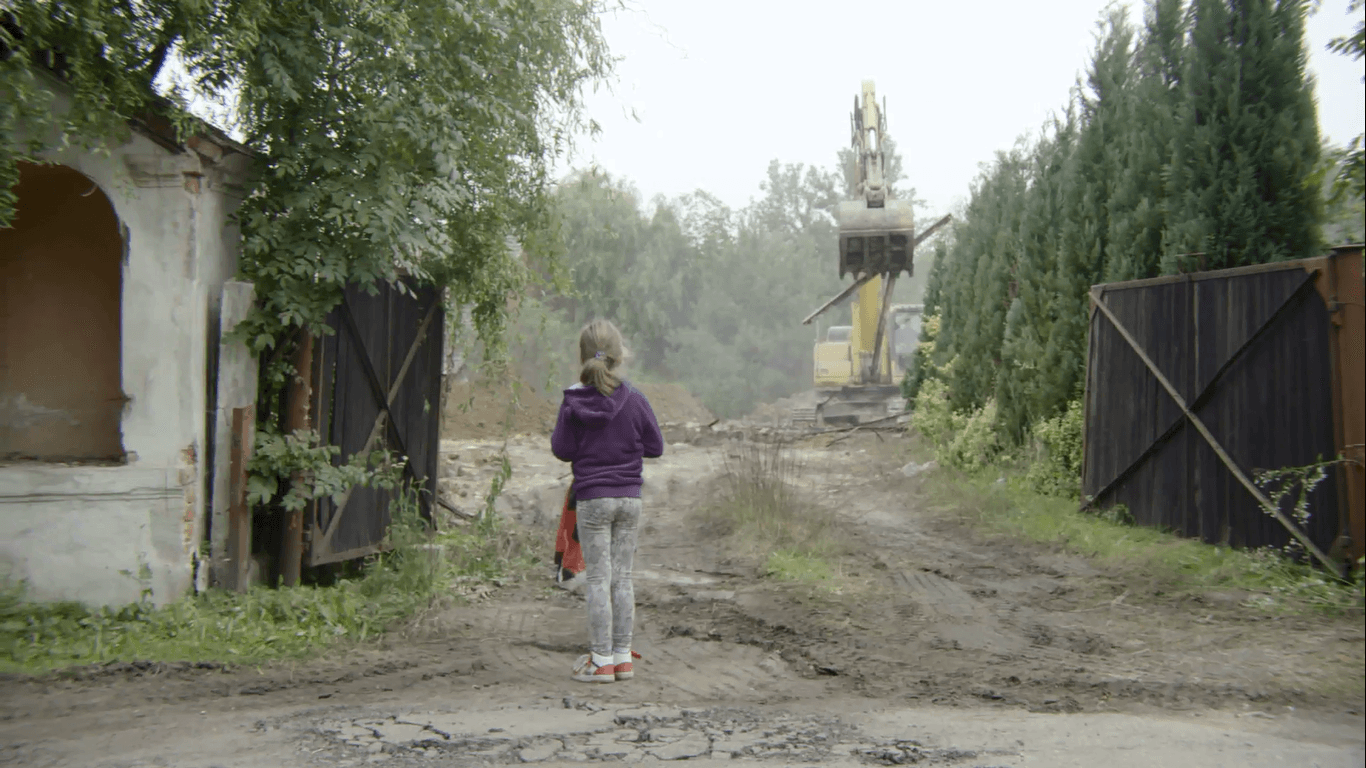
(1029, 321)
(1093, 168)
(983, 262)
(1246, 140)
(1139, 201)
(931, 303)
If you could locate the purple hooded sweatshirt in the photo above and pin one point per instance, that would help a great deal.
(606, 438)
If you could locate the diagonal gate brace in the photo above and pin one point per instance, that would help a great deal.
(1228, 461)
(1208, 392)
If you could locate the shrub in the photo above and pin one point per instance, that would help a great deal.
(1057, 454)
(933, 416)
(976, 444)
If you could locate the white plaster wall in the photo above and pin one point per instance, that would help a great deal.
(71, 531)
(86, 535)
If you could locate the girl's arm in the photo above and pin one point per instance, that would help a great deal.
(564, 443)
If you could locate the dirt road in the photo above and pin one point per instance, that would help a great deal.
(942, 647)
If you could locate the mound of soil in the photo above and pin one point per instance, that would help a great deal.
(780, 411)
(482, 409)
(674, 404)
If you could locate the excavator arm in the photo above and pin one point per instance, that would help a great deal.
(877, 242)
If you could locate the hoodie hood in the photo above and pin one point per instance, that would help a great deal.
(591, 408)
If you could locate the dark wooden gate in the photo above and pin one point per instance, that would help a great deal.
(1195, 382)
(378, 384)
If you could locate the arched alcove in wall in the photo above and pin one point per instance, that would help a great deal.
(61, 276)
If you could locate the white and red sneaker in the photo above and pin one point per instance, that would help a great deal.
(624, 671)
(585, 671)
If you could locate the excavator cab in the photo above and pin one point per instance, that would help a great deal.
(834, 362)
(905, 334)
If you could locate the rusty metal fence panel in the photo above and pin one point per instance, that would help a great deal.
(1346, 296)
(1253, 354)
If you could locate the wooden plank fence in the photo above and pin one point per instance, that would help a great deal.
(1195, 382)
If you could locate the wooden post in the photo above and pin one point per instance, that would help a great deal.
(298, 407)
(239, 512)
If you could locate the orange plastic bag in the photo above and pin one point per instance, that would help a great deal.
(568, 553)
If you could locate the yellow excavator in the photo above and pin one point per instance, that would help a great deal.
(858, 368)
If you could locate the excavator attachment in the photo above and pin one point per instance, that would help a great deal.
(876, 240)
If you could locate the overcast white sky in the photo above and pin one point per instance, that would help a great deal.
(722, 87)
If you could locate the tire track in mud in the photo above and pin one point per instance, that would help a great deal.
(535, 644)
(940, 596)
(946, 603)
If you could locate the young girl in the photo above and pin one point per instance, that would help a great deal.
(605, 428)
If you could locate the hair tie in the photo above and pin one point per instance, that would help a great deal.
(598, 355)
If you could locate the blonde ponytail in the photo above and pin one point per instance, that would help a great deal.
(600, 353)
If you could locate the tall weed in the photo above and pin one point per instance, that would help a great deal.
(759, 505)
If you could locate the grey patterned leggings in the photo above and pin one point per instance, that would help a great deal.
(608, 533)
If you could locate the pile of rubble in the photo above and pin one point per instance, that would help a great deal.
(581, 731)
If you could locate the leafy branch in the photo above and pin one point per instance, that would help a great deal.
(1281, 484)
(1351, 177)
(310, 470)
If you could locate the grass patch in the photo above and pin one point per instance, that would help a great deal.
(759, 507)
(263, 624)
(791, 565)
(1173, 564)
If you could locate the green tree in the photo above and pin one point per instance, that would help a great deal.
(392, 136)
(1350, 180)
(976, 291)
(776, 267)
(795, 199)
(1138, 202)
(923, 360)
(1247, 142)
(1344, 215)
(709, 297)
(1023, 381)
(601, 232)
(1094, 166)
